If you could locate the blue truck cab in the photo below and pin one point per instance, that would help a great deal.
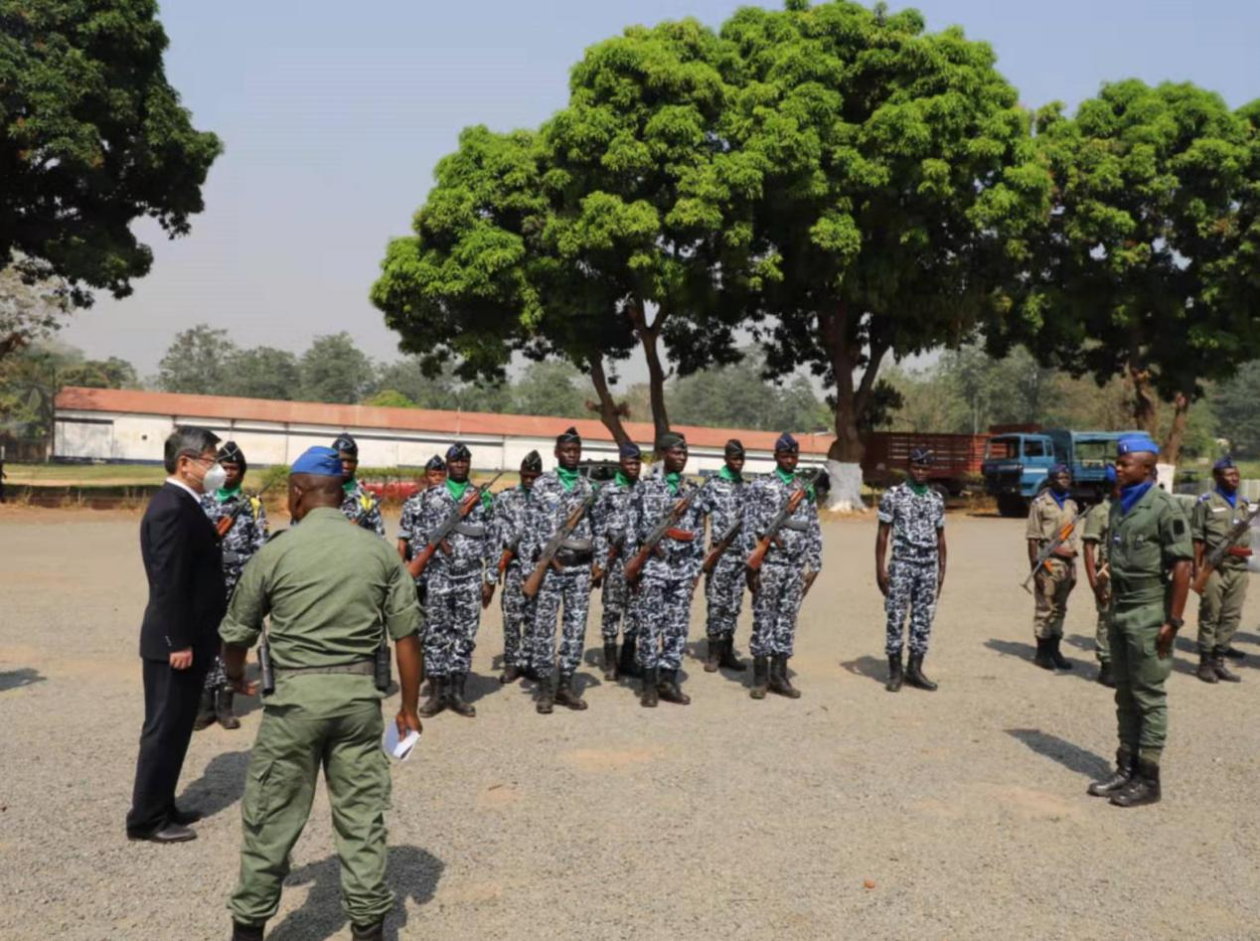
(1016, 466)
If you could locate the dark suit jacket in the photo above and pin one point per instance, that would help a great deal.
(182, 559)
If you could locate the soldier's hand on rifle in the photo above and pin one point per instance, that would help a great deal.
(881, 579)
(597, 577)
(753, 577)
(487, 593)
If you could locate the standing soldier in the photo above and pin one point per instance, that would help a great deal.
(510, 513)
(792, 562)
(611, 518)
(434, 476)
(459, 580)
(434, 472)
(1150, 560)
(567, 582)
(1220, 609)
(334, 596)
(1051, 510)
(724, 586)
(668, 578)
(359, 506)
(247, 535)
(1096, 544)
(914, 513)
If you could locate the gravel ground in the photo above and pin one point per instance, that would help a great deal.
(849, 813)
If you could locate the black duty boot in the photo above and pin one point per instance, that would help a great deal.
(761, 678)
(511, 673)
(714, 655)
(1233, 654)
(437, 698)
(546, 695)
(1207, 668)
(626, 665)
(914, 674)
(205, 711)
(1104, 674)
(1056, 656)
(895, 675)
(610, 659)
(779, 682)
(566, 695)
(1105, 787)
(455, 697)
(373, 932)
(1142, 789)
(727, 659)
(669, 689)
(247, 932)
(650, 694)
(1222, 671)
(1042, 659)
(223, 707)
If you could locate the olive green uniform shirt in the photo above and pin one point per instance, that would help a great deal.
(1146, 543)
(1097, 529)
(1211, 522)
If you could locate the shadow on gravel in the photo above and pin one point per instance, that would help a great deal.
(1081, 642)
(871, 667)
(1082, 669)
(1072, 757)
(220, 785)
(479, 686)
(698, 650)
(15, 679)
(412, 873)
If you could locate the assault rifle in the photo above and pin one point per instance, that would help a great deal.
(1062, 536)
(1214, 558)
(772, 531)
(548, 554)
(224, 524)
(719, 548)
(438, 537)
(634, 568)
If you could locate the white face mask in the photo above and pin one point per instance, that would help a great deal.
(215, 478)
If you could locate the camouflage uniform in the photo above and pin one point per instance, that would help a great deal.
(724, 586)
(247, 536)
(912, 575)
(1098, 531)
(1220, 608)
(668, 577)
(508, 527)
(361, 506)
(1056, 579)
(408, 524)
(550, 504)
(611, 518)
(453, 581)
(797, 548)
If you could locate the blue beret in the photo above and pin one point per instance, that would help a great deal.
(1136, 444)
(346, 444)
(1109, 473)
(786, 443)
(458, 452)
(630, 449)
(319, 462)
(1059, 468)
(1224, 463)
(921, 456)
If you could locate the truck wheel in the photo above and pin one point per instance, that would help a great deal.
(1011, 505)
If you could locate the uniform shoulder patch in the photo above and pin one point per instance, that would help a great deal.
(1179, 527)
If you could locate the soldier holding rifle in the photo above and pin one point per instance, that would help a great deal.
(1052, 511)
(783, 546)
(1095, 546)
(511, 509)
(611, 516)
(1221, 529)
(724, 568)
(358, 504)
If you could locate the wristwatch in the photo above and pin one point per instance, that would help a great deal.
(1176, 623)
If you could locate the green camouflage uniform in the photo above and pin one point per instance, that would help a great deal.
(1057, 577)
(1097, 531)
(1146, 543)
(1220, 608)
(332, 591)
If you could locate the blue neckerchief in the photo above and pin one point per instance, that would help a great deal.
(1132, 494)
(1058, 498)
(1230, 498)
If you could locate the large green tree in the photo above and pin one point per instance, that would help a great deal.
(1238, 417)
(334, 370)
(92, 138)
(198, 361)
(263, 372)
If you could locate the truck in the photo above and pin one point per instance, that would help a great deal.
(956, 459)
(1017, 464)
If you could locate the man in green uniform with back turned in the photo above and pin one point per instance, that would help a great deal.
(1150, 555)
(1095, 545)
(334, 593)
(1215, 516)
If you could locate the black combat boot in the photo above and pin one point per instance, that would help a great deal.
(1105, 787)
(650, 695)
(1222, 671)
(1143, 787)
(437, 698)
(610, 659)
(714, 655)
(546, 695)
(566, 695)
(1042, 659)
(761, 678)
(1056, 656)
(895, 675)
(455, 697)
(626, 665)
(1207, 668)
(914, 674)
(511, 673)
(669, 689)
(205, 711)
(779, 682)
(223, 707)
(247, 932)
(372, 932)
(1104, 675)
(727, 659)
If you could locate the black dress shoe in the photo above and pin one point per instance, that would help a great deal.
(169, 833)
(185, 818)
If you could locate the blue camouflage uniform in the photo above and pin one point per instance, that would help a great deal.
(611, 517)
(724, 586)
(916, 519)
(508, 527)
(247, 536)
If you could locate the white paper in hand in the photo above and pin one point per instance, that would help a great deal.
(399, 748)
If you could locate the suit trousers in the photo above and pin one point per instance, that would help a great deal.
(170, 708)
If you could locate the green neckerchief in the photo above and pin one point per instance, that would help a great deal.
(224, 494)
(623, 481)
(348, 486)
(733, 476)
(568, 478)
(786, 476)
(456, 490)
(919, 489)
(673, 481)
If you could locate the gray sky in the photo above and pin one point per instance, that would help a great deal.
(334, 115)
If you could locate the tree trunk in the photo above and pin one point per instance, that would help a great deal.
(1181, 417)
(844, 457)
(609, 411)
(1145, 404)
(649, 338)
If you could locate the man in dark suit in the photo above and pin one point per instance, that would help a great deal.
(179, 637)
